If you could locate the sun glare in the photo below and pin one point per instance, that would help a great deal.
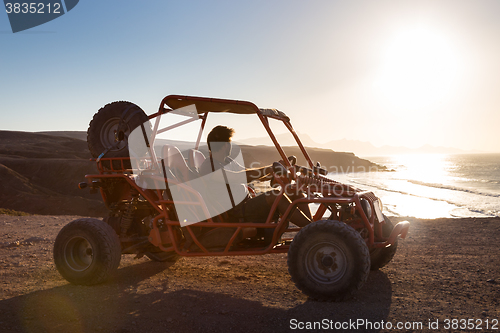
(419, 68)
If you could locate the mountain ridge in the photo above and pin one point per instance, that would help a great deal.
(359, 148)
(39, 172)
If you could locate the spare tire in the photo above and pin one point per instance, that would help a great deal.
(107, 135)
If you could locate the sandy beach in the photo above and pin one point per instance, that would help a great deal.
(446, 271)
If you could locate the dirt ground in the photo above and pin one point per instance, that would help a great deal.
(445, 272)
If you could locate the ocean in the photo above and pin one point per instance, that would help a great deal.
(434, 186)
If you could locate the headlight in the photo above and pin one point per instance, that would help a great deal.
(366, 208)
(378, 210)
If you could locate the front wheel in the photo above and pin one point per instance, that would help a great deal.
(329, 260)
(87, 251)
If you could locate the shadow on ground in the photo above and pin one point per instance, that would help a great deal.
(120, 306)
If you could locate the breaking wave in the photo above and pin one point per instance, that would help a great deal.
(454, 188)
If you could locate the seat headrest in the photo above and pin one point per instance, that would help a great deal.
(176, 163)
(195, 159)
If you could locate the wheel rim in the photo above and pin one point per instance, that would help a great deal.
(326, 263)
(78, 254)
(110, 134)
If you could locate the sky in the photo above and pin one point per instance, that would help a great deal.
(400, 73)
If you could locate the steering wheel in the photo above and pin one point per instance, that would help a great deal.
(280, 170)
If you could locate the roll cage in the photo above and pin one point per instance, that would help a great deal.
(310, 179)
(205, 106)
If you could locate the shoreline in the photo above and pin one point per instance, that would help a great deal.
(423, 202)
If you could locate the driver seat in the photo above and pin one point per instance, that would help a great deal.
(195, 159)
(176, 163)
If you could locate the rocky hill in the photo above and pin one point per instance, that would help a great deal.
(39, 172)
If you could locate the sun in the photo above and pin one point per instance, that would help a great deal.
(419, 68)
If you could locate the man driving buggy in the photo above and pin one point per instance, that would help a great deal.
(246, 208)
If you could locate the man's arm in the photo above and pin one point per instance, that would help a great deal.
(260, 174)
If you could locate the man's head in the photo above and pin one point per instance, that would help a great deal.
(218, 137)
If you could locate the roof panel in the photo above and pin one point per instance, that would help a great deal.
(204, 104)
(210, 104)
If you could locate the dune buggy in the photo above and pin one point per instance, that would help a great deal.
(328, 259)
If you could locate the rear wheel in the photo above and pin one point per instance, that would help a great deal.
(87, 251)
(382, 256)
(328, 260)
